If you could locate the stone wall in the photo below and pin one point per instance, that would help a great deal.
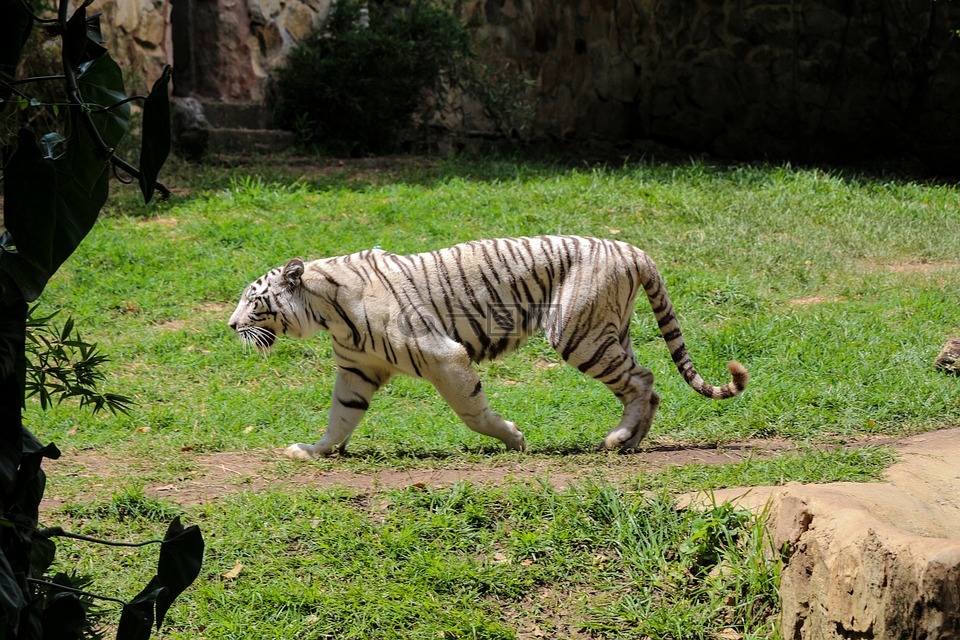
(739, 78)
(137, 35)
(221, 49)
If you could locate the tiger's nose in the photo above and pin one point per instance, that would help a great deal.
(233, 324)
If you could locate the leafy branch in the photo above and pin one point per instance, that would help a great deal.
(62, 365)
(181, 553)
(64, 171)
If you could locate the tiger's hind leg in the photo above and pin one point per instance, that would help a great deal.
(459, 384)
(609, 358)
(642, 426)
(634, 389)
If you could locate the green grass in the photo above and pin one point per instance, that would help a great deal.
(464, 562)
(860, 464)
(836, 291)
(815, 282)
(594, 560)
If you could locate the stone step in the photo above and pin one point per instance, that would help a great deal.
(237, 115)
(240, 140)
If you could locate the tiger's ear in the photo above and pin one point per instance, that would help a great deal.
(292, 272)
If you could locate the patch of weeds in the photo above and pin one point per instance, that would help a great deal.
(463, 561)
(853, 464)
(129, 503)
(687, 573)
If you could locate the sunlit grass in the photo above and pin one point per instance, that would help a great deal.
(836, 291)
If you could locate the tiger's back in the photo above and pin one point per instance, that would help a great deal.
(489, 295)
(431, 314)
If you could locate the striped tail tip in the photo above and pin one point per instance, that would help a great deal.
(740, 378)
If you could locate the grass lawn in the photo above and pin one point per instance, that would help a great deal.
(836, 292)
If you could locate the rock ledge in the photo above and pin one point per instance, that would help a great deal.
(878, 560)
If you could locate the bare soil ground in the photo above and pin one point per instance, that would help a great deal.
(210, 476)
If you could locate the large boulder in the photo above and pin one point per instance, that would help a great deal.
(872, 560)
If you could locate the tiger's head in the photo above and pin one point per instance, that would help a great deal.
(269, 307)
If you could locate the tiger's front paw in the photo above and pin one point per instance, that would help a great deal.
(301, 451)
(516, 442)
(522, 445)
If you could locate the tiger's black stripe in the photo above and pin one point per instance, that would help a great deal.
(363, 376)
(356, 403)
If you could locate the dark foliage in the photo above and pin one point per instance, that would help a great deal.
(353, 87)
(55, 183)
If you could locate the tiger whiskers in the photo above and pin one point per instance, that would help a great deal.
(259, 337)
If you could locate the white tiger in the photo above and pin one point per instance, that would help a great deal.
(431, 314)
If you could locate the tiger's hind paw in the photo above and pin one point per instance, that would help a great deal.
(518, 445)
(616, 439)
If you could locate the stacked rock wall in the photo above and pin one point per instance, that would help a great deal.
(221, 49)
(137, 35)
(740, 78)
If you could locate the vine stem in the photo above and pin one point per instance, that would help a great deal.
(79, 592)
(58, 532)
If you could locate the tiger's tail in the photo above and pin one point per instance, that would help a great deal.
(670, 330)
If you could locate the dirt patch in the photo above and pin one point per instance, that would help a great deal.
(920, 267)
(209, 476)
(161, 220)
(912, 267)
(813, 300)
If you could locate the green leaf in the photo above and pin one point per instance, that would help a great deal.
(42, 554)
(181, 556)
(136, 620)
(12, 598)
(30, 215)
(82, 39)
(75, 36)
(50, 207)
(31, 480)
(13, 365)
(94, 33)
(156, 134)
(52, 204)
(63, 617)
(101, 85)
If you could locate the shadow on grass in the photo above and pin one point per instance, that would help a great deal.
(547, 450)
(189, 181)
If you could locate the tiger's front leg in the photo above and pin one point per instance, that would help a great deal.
(352, 391)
